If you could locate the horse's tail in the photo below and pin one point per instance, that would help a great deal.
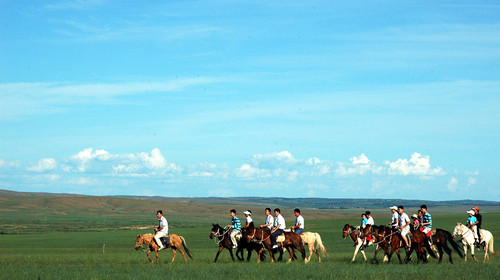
(453, 244)
(185, 247)
(490, 246)
(319, 243)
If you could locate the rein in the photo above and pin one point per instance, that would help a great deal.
(220, 236)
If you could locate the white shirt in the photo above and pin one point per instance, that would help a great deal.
(280, 221)
(395, 216)
(403, 219)
(163, 223)
(370, 221)
(270, 221)
(300, 220)
(249, 220)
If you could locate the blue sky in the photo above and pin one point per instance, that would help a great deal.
(384, 99)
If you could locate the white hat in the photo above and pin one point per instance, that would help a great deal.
(247, 212)
(414, 216)
(470, 212)
(394, 207)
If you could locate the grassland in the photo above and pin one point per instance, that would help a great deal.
(72, 239)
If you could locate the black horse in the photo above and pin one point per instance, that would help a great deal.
(440, 240)
(224, 240)
(250, 246)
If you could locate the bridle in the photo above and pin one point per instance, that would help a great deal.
(347, 232)
(219, 235)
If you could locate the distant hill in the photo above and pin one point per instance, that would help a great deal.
(25, 212)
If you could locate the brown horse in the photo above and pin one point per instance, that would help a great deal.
(387, 238)
(262, 236)
(418, 241)
(176, 243)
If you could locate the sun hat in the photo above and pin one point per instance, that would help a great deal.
(414, 216)
(394, 208)
(470, 212)
(248, 212)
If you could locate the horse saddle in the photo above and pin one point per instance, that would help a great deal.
(237, 236)
(280, 238)
(165, 241)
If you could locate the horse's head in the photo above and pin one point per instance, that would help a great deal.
(216, 231)
(458, 231)
(138, 242)
(346, 231)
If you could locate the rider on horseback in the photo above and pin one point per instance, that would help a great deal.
(162, 229)
(394, 217)
(279, 226)
(403, 225)
(235, 227)
(479, 219)
(471, 222)
(249, 219)
(299, 222)
(269, 220)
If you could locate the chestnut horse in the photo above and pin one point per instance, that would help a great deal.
(262, 236)
(418, 241)
(176, 243)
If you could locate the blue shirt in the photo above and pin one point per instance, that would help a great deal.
(471, 220)
(364, 221)
(236, 224)
(426, 218)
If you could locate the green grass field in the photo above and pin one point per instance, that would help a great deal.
(80, 255)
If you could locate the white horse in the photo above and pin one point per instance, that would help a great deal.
(468, 240)
(310, 238)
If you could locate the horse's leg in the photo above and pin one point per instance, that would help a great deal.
(290, 250)
(465, 250)
(157, 258)
(218, 253)
(355, 252)
(231, 253)
(472, 252)
(448, 251)
(183, 254)
(271, 254)
(316, 252)
(174, 253)
(399, 256)
(440, 250)
(150, 260)
(375, 256)
(258, 255)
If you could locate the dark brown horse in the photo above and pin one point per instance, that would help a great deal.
(262, 236)
(418, 241)
(440, 240)
(387, 238)
(250, 246)
(223, 239)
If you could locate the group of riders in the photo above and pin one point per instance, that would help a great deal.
(274, 224)
(421, 221)
(399, 222)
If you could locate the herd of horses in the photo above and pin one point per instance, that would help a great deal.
(386, 239)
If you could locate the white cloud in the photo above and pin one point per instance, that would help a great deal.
(44, 165)
(471, 181)
(247, 171)
(361, 160)
(417, 165)
(453, 184)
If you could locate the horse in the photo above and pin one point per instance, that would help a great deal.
(224, 240)
(440, 239)
(310, 238)
(418, 241)
(250, 246)
(262, 236)
(354, 233)
(176, 243)
(468, 240)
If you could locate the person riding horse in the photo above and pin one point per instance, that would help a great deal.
(269, 220)
(299, 222)
(403, 225)
(278, 229)
(249, 220)
(479, 219)
(235, 227)
(162, 229)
